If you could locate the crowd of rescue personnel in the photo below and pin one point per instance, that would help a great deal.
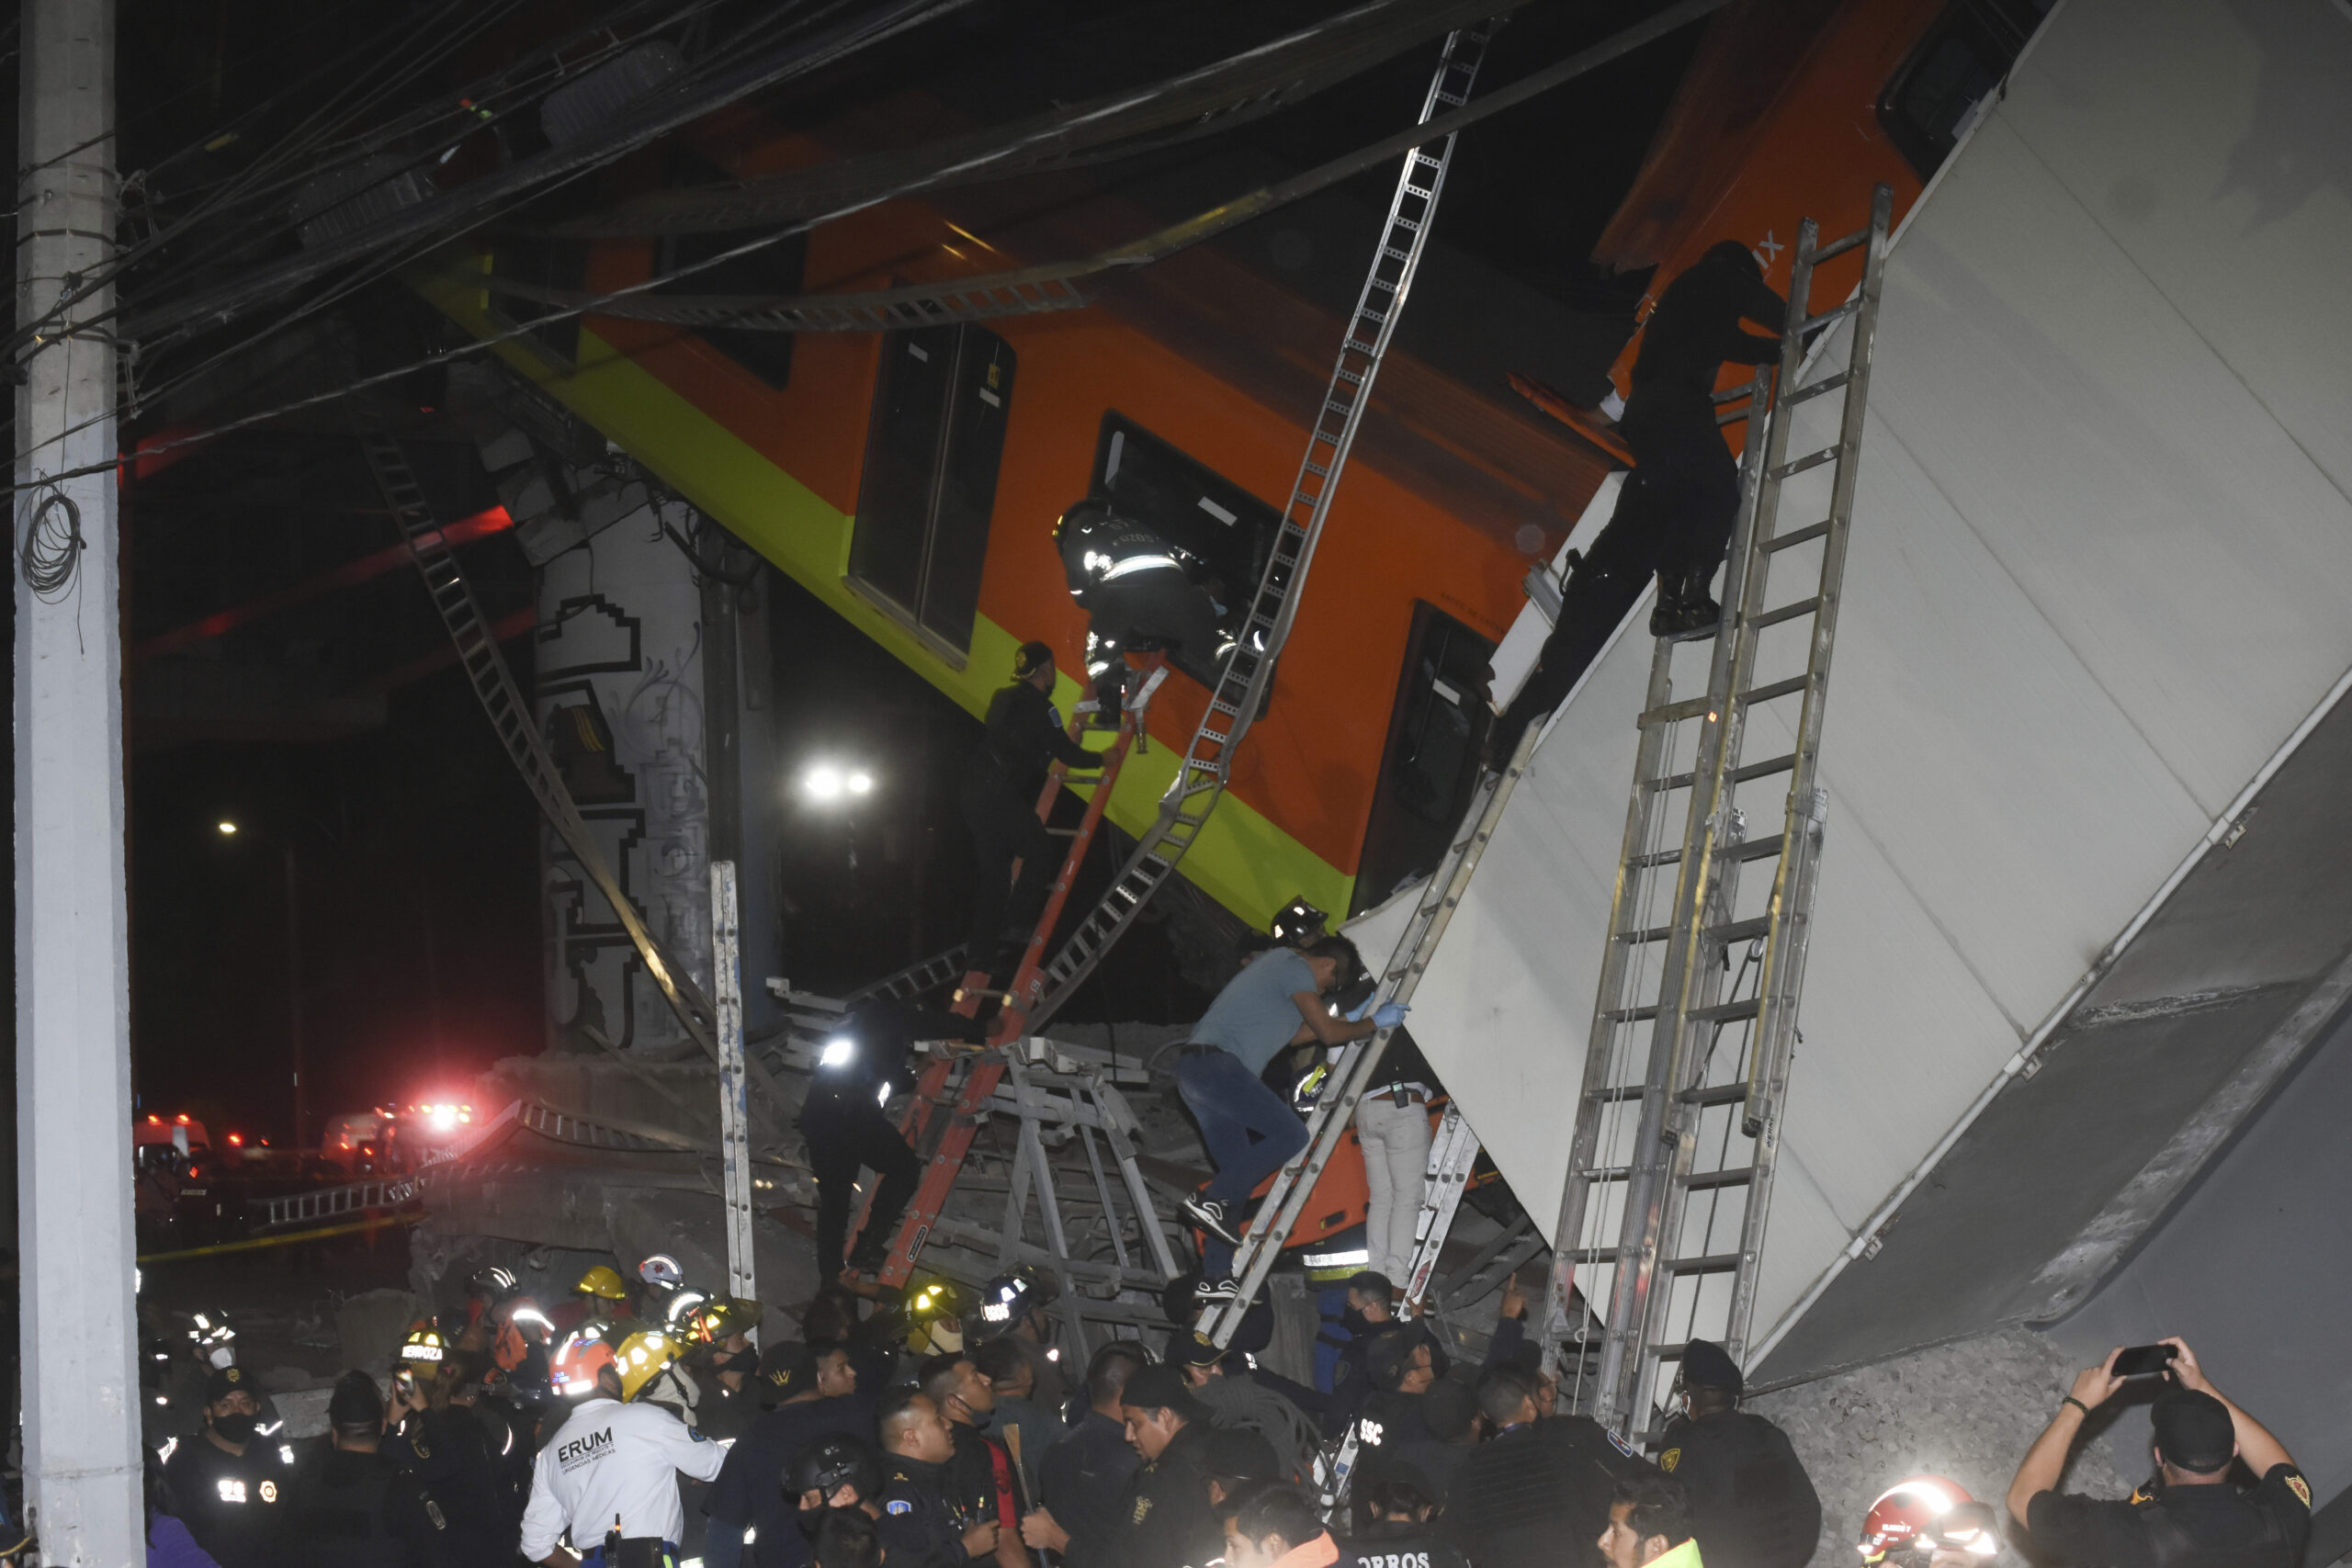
(640, 1425)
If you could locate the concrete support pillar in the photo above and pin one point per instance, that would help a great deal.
(82, 1482)
(620, 695)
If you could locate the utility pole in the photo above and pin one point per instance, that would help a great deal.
(294, 989)
(81, 1393)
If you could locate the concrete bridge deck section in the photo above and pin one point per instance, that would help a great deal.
(2084, 901)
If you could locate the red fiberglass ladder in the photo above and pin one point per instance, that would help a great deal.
(945, 1141)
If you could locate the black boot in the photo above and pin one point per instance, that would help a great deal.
(1665, 615)
(1698, 614)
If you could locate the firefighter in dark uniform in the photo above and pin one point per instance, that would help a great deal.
(1141, 592)
(353, 1505)
(2191, 1515)
(999, 801)
(1674, 514)
(920, 1529)
(1752, 1506)
(866, 1062)
(1167, 1521)
(438, 1436)
(227, 1485)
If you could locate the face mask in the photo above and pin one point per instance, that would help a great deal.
(1355, 1322)
(980, 1418)
(236, 1427)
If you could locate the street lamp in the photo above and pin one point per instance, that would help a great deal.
(228, 828)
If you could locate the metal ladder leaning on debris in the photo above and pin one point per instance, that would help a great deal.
(1261, 1242)
(1247, 672)
(1670, 1168)
(510, 715)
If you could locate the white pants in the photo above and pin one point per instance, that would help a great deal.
(1395, 1156)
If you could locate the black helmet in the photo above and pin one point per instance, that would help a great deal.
(1299, 922)
(1011, 1296)
(494, 1282)
(832, 1463)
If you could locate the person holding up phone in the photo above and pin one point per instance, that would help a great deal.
(2190, 1517)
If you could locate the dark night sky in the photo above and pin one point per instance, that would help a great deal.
(420, 924)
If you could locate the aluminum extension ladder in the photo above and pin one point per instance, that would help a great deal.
(510, 715)
(1261, 1242)
(1670, 1170)
(1247, 672)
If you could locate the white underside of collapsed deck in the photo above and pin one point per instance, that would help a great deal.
(2101, 559)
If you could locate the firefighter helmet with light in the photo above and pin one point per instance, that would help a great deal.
(426, 1346)
(643, 1357)
(678, 1316)
(577, 1362)
(1914, 1519)
(602, 1282)
(935, 1310)
(713, 1322)
(1011, 1296)
(211, 1340)
(662, 1270)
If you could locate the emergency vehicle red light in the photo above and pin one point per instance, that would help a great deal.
(158, 1120)
(236, 1139)
(181, 1117)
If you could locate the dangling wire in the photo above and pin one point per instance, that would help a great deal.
(48, 555)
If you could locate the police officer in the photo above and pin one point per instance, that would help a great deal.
(1396, 1530)
(866, 1060)
(2190, 1517)
(227, 1485)
(924, 1530)
(353, 1505)
(1168, 1521)
(839, 1473)
(608, 1477)
(1083, 1478)
(1752, 1506)
(1536, 1493)
(819, 1402)
(999, 801)
(979, 1479)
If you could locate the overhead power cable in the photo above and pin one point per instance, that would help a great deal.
(1255, 204)
(1059, 286)
(1204, 102)
(661, 112)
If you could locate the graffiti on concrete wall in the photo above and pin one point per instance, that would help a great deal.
(620, 696)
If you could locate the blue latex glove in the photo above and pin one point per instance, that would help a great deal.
(1389, 1015)
(1361, 1007)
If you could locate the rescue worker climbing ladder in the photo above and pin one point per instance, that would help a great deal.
(947, 1139)
(1246, 675)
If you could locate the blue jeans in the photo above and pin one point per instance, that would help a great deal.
(1249, 1129)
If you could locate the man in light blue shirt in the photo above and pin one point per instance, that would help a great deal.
(1249, 1130)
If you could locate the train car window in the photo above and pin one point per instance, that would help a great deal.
(1192, 506)
(1936, 92)
(1431, 761)
(932, 456)
(777, 269)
